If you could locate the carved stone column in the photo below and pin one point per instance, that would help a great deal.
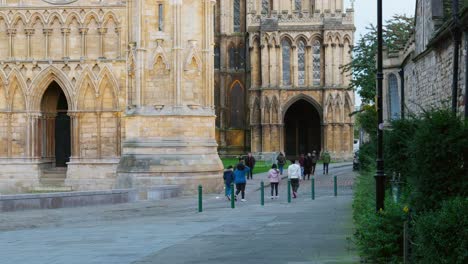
(83, 32)
(11, 32)
(29, 32)
(66, 45)
(47, 32)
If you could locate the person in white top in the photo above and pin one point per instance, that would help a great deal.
(294, 174)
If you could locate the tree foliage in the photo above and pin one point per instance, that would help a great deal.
(362, 67)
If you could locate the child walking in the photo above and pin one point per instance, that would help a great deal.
(275, 178)
(228, 179)
(240, 179)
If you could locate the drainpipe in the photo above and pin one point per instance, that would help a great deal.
(456, 53)
(402, 92)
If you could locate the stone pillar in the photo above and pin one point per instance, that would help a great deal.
(328, 65)
(83, 32)
(47, 32)
(11, 32)
(29, 32)
(264, 62)
(66, 45)
(160, 143)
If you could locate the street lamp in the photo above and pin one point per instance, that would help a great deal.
(380, 175)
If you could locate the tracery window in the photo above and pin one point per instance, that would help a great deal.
(301, 64)
(394, 99)
(232, 57)
(298, 5)
(316, 47)
(160, 17)
(286, 47)
(237, 17)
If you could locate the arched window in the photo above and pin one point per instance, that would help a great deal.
(394, 98)
(232, 57)
(265, 6)
(217, 57)
(237, 17)
(316, 48)
(240, 55)
(298, 5)
(286, 46)
(301, 64)
(237, 106)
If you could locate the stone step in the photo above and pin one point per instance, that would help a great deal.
(46, 189)
(54, 175)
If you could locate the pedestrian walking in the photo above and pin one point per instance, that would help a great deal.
(294, 174)
(314, 159)
(275, 178)
(301, 163)
(326, 158)
(250, 162)
(281, 159)
(240, 179)
(228, 177)
(307, 166)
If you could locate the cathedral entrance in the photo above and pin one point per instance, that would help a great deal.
(302, 129)
(56, 126)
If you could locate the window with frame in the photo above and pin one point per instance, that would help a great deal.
(394, 98)
(286, 50)
(301, 64)
(237, 106)
(232, 57)
(237, 16)
(316, 62)
(265, 6)
(217, 57)
(160, 17)
(298, 5)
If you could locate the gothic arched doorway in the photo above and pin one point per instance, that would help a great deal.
(56, 131)
(302, 129)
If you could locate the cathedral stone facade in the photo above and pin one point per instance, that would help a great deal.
(278, 79)
(107, 94)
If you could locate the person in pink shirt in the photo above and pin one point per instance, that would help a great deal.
(275, 178)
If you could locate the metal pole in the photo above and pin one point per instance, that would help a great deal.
(335, 186)
(289, 190)
(233, 198)
(313, 188)
(262, 193)
(200, 202)
(380, 175)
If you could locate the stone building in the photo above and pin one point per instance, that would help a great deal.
(283, 59)
(107, 94)
(420, 76)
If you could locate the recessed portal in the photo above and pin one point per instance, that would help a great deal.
(302, 127)
(56, 126)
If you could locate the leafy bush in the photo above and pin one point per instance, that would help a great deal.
(442, 236)
(436, 154)
(379, 236)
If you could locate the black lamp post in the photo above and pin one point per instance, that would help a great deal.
(380, 175)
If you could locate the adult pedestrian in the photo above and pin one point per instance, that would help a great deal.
(307, 166)
(240, 179)
(250, 162)
(281, 159)
(228, 177)
(326, 158)
(275, 178)
(314, 159)
(301, 163)
(294, 174)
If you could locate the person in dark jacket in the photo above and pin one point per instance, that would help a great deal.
(240, 180)
(250, 162)
(314, 158)
(228, 179)
(307, 166)
(281, 159)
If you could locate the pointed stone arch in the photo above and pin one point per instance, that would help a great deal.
(266, 117)
(305, 97)
(54, 16)
(3, 96)
(73, 16)
(256, 115)
(42, 82)
(18, 98)
(275, 108)
(110, 16)
(193, 60)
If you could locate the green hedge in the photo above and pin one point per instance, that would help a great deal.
(441, 237)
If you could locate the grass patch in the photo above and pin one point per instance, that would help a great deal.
(260, 165)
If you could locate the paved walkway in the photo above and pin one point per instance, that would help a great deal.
(171, 231)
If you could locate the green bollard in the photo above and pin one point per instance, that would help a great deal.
(313, 188)
(233, 198)
(200, 202)
(262, 193)
(335, 186)
(289, 190)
